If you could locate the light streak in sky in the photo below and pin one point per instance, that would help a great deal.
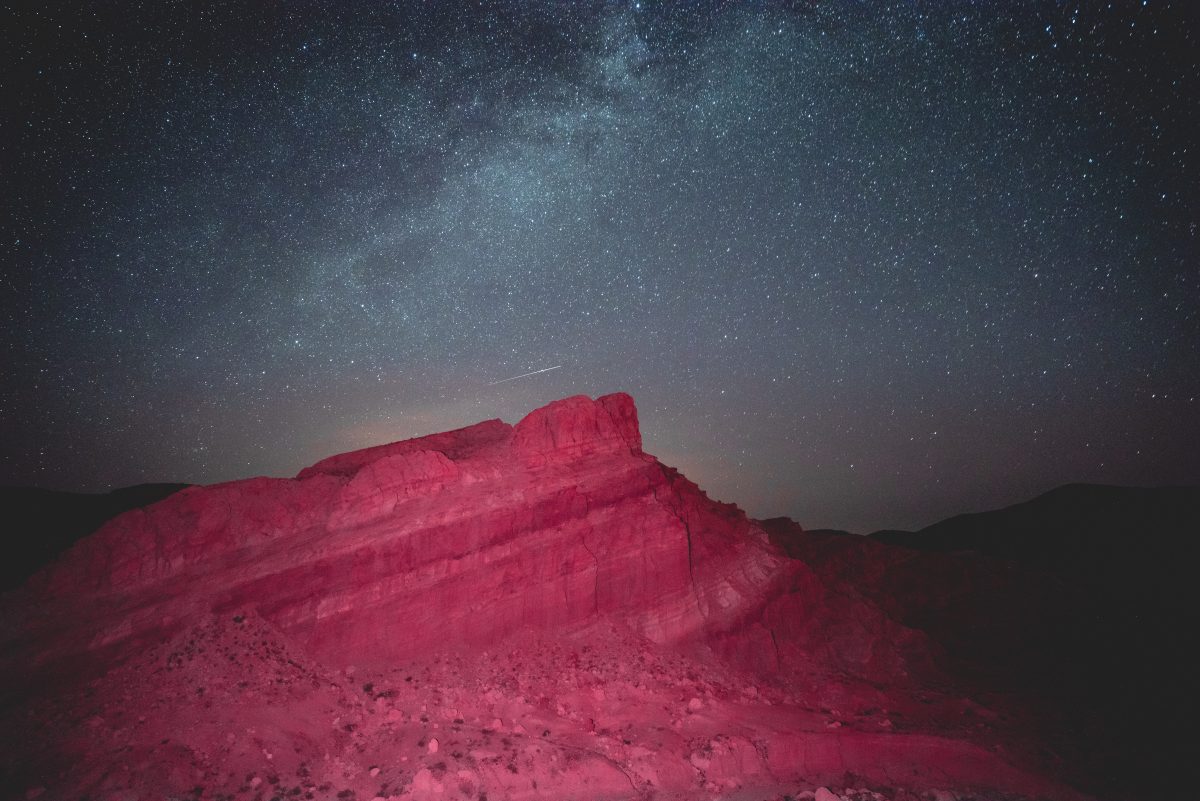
(525, 375)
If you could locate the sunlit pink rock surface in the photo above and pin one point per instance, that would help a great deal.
(597, 570)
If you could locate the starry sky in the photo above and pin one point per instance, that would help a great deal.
(865, 264)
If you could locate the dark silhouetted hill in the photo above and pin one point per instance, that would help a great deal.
(1091, 532)
(44, 523)
(1079, 602)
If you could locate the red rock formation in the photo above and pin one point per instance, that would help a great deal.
(466, 535)
(383, 556)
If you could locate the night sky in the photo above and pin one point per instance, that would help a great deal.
(864, 264)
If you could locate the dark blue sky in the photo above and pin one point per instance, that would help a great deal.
(864, 264)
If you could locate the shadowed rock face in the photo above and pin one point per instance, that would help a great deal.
(559, 527)
(1078, 603)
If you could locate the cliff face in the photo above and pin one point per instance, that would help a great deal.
(472, 539)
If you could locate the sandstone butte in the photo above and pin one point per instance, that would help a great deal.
(539, 610)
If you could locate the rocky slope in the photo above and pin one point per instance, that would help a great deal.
(1074, 610)
(538, 610)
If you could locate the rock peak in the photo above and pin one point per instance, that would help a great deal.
(560, 431)
(577, 427)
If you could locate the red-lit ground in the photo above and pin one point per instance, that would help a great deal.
(232, 709)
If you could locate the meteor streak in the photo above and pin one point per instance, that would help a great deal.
(525, 375)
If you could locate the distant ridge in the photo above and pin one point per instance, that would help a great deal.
(43, 523)
(1094, 531)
